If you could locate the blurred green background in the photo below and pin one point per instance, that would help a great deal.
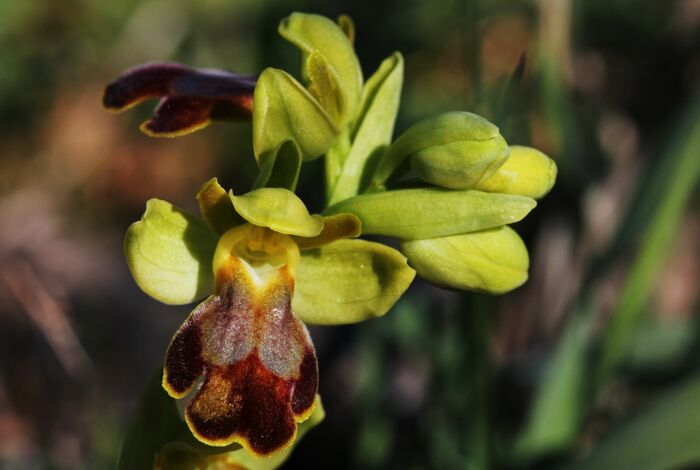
(594, 363)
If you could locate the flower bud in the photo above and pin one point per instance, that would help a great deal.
(492, 261)
(461, 164)
(527, 172)
(436, 141)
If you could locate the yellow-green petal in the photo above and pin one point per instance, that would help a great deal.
(169, 253)
(335, 227)
(317, 34)
(283, 109)
(349, 281)
(527, 172)
(493, 261)
(216, 208)
(278, 209)
(433, 212)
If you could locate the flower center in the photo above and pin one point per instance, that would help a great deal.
(262, 251)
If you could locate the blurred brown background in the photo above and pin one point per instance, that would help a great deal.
(445, 380)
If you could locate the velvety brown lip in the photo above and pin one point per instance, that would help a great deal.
(260, 367)
(191, 98)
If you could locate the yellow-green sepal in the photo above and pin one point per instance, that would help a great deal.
(461, 164)
(315, 34)
(349, 281)
(278, 209)
(493, 261)
(446, 128)
(283, 109)
(433, 212)
(216, 208)
(527, 172)
(373, 128)
(169, 253)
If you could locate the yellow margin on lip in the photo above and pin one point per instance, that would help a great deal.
(244, 442)
(237, 438)
(174, 134)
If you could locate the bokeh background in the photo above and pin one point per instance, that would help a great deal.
(596, 357)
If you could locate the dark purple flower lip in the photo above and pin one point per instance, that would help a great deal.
(190, 98)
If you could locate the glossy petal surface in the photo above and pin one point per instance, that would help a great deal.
(278, 209)
(169, 253)
(493, 261)
(527, 172)
(433, 212)
(283, 110)
(349, 281)
(342, 86)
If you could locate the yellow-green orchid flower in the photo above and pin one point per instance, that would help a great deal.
(266, 264)
(446, 189)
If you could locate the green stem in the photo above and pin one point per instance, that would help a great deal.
(334, 161)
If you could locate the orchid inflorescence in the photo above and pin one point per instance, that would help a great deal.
(447, 189)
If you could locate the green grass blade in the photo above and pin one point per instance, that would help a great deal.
(666, 435)
(656, 243)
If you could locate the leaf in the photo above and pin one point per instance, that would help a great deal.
(663, 436)
(349, 281)
(443, 129)
(555, 416)
(658, 235)
(374, 126)
(279, 209)
(527, 172)
(169, 253)
(154, 423)
(280, 167)
(492, 261)
(315, 33)
(216, 207)
(433, 212)
(282, 110)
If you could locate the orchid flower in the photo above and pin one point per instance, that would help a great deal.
(264, 264)
(446, 189)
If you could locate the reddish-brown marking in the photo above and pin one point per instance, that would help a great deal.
(141, 82)
(306, 386)
(262, 414)
(247, 400)
(183, 362)
(179, 114)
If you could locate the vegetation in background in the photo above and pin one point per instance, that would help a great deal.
(587, 364)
